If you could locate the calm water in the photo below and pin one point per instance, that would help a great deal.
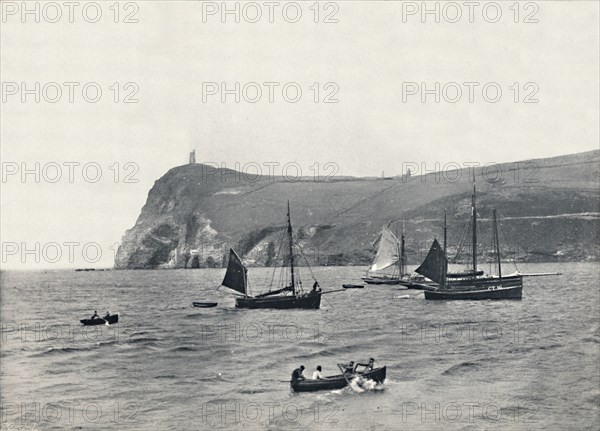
(530, 364)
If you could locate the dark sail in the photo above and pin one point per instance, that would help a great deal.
(235, 277)
(435, 264)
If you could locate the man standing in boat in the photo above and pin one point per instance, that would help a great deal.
(316, 287)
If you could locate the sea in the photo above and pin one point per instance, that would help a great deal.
(466, 365)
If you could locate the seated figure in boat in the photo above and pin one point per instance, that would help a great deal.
(317, 374)
(297, 374)
(95, 316)
(107, 315)
(367, 366)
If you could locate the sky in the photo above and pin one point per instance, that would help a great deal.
(348, 88)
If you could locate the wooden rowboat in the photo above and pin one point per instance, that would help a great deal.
(336, 382)
(99, 321)
(204, 304)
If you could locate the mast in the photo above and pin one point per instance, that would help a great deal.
(402, 252)
(445, 231)
(497, 244)
(474, 209)
(289, 229)
(399, 251)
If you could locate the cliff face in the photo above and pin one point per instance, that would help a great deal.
(549, 210)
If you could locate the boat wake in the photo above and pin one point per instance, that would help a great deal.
(359, 384)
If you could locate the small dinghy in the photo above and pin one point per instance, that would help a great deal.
(99, 321)
(204, 304)
(353, 286)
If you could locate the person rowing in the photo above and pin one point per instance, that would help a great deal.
(297, 374)
(95, 316)
(347, 368)
(107, 315)
(367, 366)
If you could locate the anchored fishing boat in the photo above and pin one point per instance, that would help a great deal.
(472, 284)
(391, 253)
(387, 257)
(291, 295)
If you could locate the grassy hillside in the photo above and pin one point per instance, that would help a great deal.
(549, 210)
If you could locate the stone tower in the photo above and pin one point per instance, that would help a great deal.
(193, 157)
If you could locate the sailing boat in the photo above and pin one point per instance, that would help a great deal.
(471, 284)
(410, 281)
(387, 256)
(289, 296)
(391, 253)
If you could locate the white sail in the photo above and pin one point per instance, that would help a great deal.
(387, 253)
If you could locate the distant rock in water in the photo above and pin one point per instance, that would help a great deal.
(548, 209)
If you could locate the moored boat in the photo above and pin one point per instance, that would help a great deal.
(304, 300)
(205, 304)
(388, 256)
(289, 296)
(338, 381)
(471, 284)
(353, 286)
(391, 253)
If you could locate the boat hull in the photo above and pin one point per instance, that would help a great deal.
(353, 286)
(205, 304)
(381, 280)
(415, 285)
(93, 322)
(469, 283)
(306, 301)
(336, 382)
(512, 289)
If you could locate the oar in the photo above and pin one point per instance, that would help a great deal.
(348, 381)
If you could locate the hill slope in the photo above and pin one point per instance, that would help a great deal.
(549, 210)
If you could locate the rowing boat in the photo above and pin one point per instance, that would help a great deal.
(204, 304)
(99, 321)
(336, 382)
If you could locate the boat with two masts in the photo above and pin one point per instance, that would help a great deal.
(471, 284)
